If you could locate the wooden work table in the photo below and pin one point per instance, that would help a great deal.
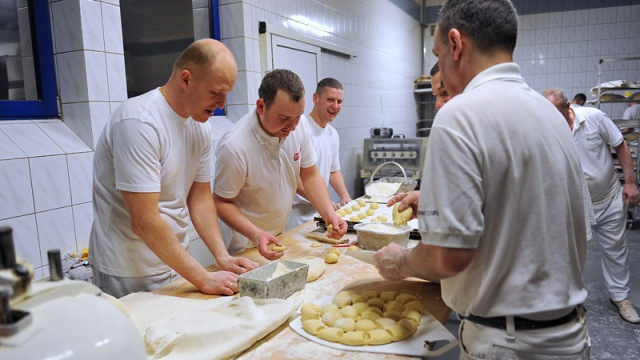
(348, 273)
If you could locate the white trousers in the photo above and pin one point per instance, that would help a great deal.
(568, 341)
(610, 232)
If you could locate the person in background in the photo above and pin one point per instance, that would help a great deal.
(503, 219)
(259, 164)
(437, 87)
(579, 99)
(151, 176)
(327, 102)
(593, 133)
(632, 112)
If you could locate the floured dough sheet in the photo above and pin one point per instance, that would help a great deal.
(180, 328)
(317, 266)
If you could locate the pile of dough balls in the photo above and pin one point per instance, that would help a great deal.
(359, 212)
(332, 256)
(369, 317)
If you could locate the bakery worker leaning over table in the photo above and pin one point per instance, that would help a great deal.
(502, 220)
(259, 163)
(151, 178)
(327, 102)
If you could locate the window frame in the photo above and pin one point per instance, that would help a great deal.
(42, 44)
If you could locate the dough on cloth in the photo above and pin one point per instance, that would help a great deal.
(181, 328)
(316, 266)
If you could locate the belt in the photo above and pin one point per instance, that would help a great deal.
(500, 322)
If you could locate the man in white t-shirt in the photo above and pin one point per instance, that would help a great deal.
(593, 134)
(327, 102)
(152, 178)
(632, 112)
(579, 100)
(259, 164)
(503, 219)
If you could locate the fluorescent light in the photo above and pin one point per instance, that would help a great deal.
(302, 23)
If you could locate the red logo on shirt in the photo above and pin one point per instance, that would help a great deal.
(296, 156)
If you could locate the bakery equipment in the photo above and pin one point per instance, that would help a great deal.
(381, 132)
(60, 318)
(407, 152)
(279, 280)
(381, 189)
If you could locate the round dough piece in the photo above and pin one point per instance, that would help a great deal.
(354, 338)
(382, 218)
(361, 307)
(398, 333)
(396, 316)
(374, 206)
(356, 298)
(328, 308)
(341, 212)
(346, 324)
(404, 298)
(370, 315)
(371, 293)
(379, 337)
(354, 218)
(377, 302)
(312, 326)
(355, 207)
(370, 212)
(342, 299)
(414, 305)
(349, 311)
(412, 315)
(385, 322)
(331, 258)
(408, 324)
(309, 311)
(348, 210)
(333, 251)
(316, 267)
(365, 325)
(329, 318)
(362, 215)
(353, 248)
(362, 203)
(276, 248)
(393, 306)
(388, 295)
(332, 334)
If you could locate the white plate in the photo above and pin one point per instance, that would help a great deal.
(429, 330)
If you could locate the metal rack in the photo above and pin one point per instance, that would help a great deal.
(599, 93)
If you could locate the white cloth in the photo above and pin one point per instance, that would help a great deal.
(509, 186)
(261, 173)
(632, 112)
(593, 133)
(179, 328)
(326, 142)
(145, 147)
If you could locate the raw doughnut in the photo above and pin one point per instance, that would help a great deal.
(398, 333)
(276, 248)
(331, 258)
(377, 302)
(374, 206)
(349, 311)
(412, 315)
(369, 314)
(388, 295)
(334, 251)
(362, 203)
(341, 299)
(354, 338)
(332, 334)
(309, 311)
(365, 325)
(379, 337)
(346, 324)
(329, 318)
(370, 212)
(415, 305)
(312, 326)
(408, 324)
(404, 298)
(355, 207)
(401, 217)
(316, 266)
(382, 218)
(328, 308)
(341, 212)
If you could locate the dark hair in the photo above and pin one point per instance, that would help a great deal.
(490, 24)
(561, 98)
(280, 79)
(435, 69)
(328, 82)
(580, 97)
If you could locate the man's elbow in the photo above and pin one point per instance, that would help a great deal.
(454, 261)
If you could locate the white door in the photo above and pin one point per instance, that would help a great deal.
(301, 58)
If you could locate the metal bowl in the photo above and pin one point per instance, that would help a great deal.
(375, 236)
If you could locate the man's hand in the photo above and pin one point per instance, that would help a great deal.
(237, 265)
(339, 226)
(262, 241)
(336, 206)
(390, 261)
(408, 199)
(630, 194)
(220, 283)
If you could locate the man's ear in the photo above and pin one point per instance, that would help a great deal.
(455, 44)
(260, 107)
(185, 78)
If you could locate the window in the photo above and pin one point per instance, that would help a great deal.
(27, 77)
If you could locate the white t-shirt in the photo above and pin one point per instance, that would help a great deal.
(261, 173)
(145, 147)
(326, 142)
(503, 177)
(593, 133)
(632, 112)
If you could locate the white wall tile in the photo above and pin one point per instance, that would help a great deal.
(83, 220)
(50, 179)
(97, 76)
(16, 195)
(72, 77)
(31, 140)
(233, 24)
(201, 20)
(9, 150)
(80, 177)
(91, 18)
(112, 28)
(56, 232)
(67, 27)
(116, 77)
(78, 117)
(63, 136)
(25, 238)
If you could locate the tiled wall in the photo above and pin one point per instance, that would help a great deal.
(45, 166)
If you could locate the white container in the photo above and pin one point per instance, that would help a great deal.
(375, 236)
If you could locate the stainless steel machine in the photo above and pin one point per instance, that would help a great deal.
(60, 318)
(407, 152)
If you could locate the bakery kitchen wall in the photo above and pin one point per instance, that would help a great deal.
(45, 165)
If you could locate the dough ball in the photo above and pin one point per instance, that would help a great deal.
(329, 228)
(409, 325)
(375, 310)
(404, 298)
(316, 267)
(354, 338)
(396, 316)
(329, 318)
(276, 248)
(414, 305)
(349, 311)
(362, 203)
(376, 302)
(316, 244)
(379, 337)
(369, 314)
(356, 298)
(355, 207)
(309, 311)
(348, 210)
(331, 258)
(362, 215)
(342, 299)
(384, 323)
(398, 333)
(374, 206)
(346, 324)
(361, 307)
(388, 295)
(353, 248)
(332, 334)
(312, 326)
(365, 325)
(328, 308)
(393, 306)
(371, 293)
(341, 212)
(370, 212)
(375, 221)
(333, 250)
(401, 217)
(412, 315)
(354, 218)
(382, 218)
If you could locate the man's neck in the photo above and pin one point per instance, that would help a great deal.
(314, 115)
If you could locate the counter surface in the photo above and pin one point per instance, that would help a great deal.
(348, 273)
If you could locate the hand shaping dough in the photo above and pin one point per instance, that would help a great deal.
(316, 267)
(324, 238)
(276, 248)
(401, 218)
